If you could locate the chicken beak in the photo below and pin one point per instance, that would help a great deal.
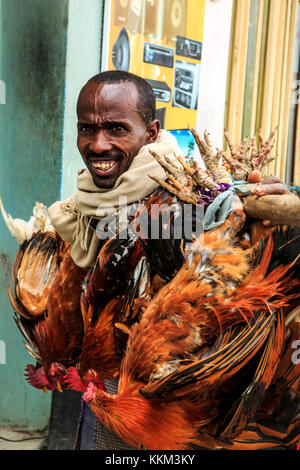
(58, 386)
(45, 389)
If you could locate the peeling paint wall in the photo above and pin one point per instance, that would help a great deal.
(32, 69)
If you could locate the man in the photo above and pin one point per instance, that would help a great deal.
(116, 120)
(117, 130)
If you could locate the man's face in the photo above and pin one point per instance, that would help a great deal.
(110, 130)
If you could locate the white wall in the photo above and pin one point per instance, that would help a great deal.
(213, 79)
(83, 61)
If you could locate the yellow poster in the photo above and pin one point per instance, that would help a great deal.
(161, 41)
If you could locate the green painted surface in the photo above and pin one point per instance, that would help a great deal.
(32, 55)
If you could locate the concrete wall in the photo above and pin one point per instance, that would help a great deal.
(32, 56)
(83, 61)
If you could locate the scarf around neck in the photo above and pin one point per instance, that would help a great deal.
(72, 217)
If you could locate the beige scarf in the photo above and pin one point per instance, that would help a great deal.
(71, 218)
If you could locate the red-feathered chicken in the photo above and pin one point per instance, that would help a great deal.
(109, 305)
(46, 300)
(47, 306)
(201, 364)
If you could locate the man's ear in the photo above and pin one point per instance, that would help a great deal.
(153, 130)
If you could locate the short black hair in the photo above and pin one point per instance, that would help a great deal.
(147, 104)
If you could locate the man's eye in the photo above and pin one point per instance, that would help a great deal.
(118, 129)
(86, 128)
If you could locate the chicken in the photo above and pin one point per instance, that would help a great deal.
(210, 349)
(114, 292)
(22, 230)
(276, 424)
(65, 312)
(47, 306)
(46, 300)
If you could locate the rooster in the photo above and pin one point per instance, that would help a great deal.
(210, 349)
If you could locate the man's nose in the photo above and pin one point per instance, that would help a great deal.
(100, 143)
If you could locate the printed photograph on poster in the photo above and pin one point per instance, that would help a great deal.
(186, 84)
(161, 41)
(185, 141)
(188, 48)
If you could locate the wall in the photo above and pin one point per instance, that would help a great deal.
(33, 55)
(213, 79)
(83, 61)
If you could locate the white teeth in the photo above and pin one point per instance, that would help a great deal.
(103, 166)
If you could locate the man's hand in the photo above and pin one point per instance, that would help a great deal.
(271, 185)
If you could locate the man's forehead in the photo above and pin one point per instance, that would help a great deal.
(96, 96)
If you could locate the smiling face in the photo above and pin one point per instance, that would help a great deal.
(111, 130)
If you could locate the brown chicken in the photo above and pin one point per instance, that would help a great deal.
(114, 292)
(211, 348)
(47, 307)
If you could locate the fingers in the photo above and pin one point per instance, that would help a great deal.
(272, 179)
(256, 177)
(271, 185)
(269, 188)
